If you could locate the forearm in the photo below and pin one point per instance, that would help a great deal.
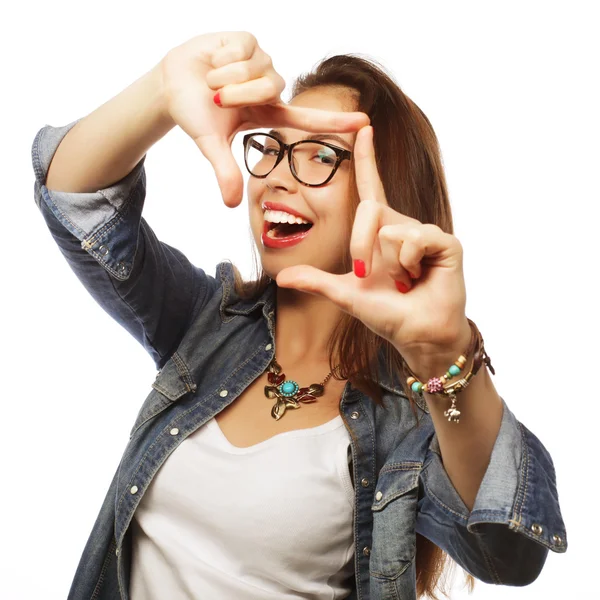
(105, 146)
(466, 446)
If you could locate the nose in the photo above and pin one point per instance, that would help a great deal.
(281, 177)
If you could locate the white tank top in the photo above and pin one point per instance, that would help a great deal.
(273, 520)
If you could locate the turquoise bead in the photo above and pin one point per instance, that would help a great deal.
(416, 387)
(454, 370)
(288, 387)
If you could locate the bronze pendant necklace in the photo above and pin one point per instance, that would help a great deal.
(288, 393)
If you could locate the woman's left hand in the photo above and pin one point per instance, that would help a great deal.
(428, 320)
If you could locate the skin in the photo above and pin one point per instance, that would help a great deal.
(305, 322)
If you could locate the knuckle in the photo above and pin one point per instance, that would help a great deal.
(415, 235)
(432, 228)
(270, 87)
(248, 38)
(280, 83)
(263, 59)
(244, 71)
(387, 232)
(211, 79)
(238, 52)
(367, 207)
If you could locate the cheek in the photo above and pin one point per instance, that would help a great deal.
(338, 203)
(254, 188)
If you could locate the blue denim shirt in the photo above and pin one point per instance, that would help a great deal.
(209, 345)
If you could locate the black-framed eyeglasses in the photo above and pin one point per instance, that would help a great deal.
(312, 162)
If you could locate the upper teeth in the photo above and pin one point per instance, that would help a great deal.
(278, 216)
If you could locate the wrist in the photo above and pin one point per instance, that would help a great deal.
(430, 363)
(157, 77)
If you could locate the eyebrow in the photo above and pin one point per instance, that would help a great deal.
(315, 136)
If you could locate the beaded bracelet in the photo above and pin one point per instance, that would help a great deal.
(436, 384)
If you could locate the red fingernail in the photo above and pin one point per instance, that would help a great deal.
(401, 287)
(359, 268)
(217, 99)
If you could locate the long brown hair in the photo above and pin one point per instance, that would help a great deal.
(410, 166)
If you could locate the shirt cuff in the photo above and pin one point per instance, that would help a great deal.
(107, 221)
(518, 489)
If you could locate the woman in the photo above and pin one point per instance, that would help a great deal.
(353, 435)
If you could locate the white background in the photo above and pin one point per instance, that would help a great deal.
(511, 91)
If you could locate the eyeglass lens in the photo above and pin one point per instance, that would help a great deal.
(312, 162)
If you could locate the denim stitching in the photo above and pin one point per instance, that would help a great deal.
(402, 466)
(186, 375)
(488, 561)
(35, 155)
(436, 499)
(389, 579)
(62, 214)
(522, 491)
(107, 227)
(100, 581)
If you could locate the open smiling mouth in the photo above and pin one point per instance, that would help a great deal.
(285, 230)
(284, 235)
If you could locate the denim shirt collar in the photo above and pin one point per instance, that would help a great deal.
(232, 304)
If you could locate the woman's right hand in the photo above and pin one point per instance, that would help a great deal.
(234, 65)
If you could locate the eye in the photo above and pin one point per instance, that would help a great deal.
(325, 156)
(271, 149)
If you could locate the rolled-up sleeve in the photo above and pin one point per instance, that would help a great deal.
(147, 286)
(516, 516)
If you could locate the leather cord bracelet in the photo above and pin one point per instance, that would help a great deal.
(436, 386)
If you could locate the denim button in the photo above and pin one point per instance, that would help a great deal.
(268, 347)
(354, 415)
(223, 393)
(134, 489)
(537, 529)
(174, 431)
(364, 482)
(366, 550)
(103, 250)
(122, 267)
(557, 539)
(378, 496)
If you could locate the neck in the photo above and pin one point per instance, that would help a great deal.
(304, 324)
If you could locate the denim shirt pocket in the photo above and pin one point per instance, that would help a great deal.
(172, 382)
(394, 511)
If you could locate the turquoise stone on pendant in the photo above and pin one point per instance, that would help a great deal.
(454, 370)
(289, 388)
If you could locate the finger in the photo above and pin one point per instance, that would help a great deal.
(229, 177)
(320, 283)
(264, 90)
(368, 181)
(392, 241)
(316, 120)
(240, 72)
(236, 47)
(364, 233)
(370, 217)
(427, 240)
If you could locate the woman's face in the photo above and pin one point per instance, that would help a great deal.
(326, 206)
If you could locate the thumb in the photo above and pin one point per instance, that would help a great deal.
(229, 177)
(311, 280)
